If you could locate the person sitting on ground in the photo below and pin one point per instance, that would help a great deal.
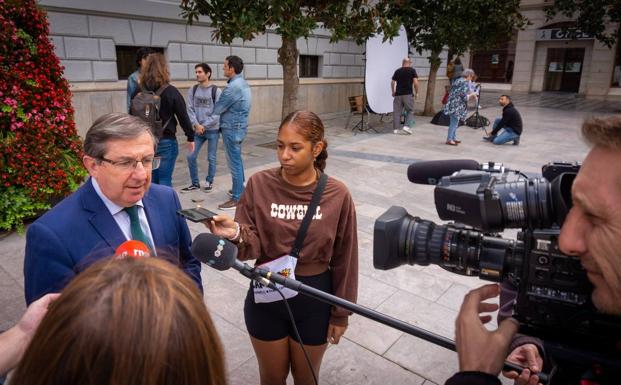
(126, 322)
(510, 123)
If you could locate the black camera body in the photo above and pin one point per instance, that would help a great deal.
(553, 292)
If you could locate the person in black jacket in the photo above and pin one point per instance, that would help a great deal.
(510, 123)
(154, 76)
(591, 231)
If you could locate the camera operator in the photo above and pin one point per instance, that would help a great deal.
(591, 231)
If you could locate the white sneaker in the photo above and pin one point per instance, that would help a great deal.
(396, 131)
(407, 130)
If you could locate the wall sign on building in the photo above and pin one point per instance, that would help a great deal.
(560, 34)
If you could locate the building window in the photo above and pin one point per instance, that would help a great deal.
(309, 66)
(126, 59)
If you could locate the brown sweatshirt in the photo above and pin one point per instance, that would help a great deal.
(270, 212)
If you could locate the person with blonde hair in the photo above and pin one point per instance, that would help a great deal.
(125, 322)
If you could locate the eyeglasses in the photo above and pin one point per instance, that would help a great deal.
(130, 164)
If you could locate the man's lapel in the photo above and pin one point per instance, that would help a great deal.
(100, 218)
(154, 217)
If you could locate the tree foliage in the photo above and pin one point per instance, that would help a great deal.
(591, 16)
(291, 19)
(457, 24)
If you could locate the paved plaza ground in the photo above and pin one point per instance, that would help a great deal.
(373, 165)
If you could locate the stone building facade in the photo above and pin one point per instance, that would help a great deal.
(546, 58)
(88, 33)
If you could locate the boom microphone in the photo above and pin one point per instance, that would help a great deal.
(432, 171)
(133, 249)
(221, 254)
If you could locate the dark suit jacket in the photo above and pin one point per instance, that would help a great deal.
(80, 230)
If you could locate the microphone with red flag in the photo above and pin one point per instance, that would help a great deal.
(132, 249)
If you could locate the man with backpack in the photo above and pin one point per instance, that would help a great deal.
(201, 100)
(161, 105)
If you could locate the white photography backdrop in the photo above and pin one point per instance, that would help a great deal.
(382, 59)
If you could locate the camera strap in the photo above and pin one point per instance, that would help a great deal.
(312, 207)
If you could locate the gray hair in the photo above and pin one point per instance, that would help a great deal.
(113, 126)
(468, 72)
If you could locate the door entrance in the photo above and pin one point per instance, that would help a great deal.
(564, 69)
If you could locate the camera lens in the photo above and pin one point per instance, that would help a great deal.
(400, 238)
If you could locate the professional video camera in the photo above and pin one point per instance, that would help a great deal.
(553, 293)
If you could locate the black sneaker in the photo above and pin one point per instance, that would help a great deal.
(516, 141)
(208, 187)
(190, 188)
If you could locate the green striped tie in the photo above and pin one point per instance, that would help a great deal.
(136, 229)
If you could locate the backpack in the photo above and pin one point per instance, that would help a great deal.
(214, 89)
(146, 105)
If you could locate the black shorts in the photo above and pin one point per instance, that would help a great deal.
(271, 322)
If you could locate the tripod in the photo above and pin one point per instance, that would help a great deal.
(475, 120)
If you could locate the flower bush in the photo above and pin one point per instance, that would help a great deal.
(40, 151)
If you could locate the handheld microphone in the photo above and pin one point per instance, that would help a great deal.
(132, 249)
(221, 254)
(214, 251)
(432, 171)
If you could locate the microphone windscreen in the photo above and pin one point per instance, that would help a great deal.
(133, 249)
(432, 171)
(214, 251)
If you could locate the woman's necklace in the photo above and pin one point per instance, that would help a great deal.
(304, 183)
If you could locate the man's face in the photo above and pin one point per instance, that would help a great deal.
(407, 63)
(592, 229)
(503, 101)
(123, 187)
(201, 76)
(229, 72)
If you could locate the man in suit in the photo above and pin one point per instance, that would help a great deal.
(117, 203)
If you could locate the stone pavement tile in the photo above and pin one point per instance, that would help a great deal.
(371, 293)
(453, 297)
(420, 312)
(465, 280)
(430, 287)
(371, 335)
(424, 358)
(248, 373)
(349, 364)
(12, 256)
(236, 343)
(224, 296)
(12, 300)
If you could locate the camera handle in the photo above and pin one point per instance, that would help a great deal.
(374, 315)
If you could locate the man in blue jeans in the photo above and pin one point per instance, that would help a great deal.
(233, 108)
(510, 123)
(201, 100)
